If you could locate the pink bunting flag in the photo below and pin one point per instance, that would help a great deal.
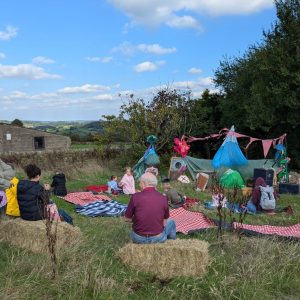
(266, 146)
(238, 135)
(251, 141)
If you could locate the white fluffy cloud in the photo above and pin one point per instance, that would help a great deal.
(169, 12)
(129, 49)
(104, 97)
(124, 48)
(155, 49)
(42, 60)
(25, 71)
(8, 33)
(2, 55)
(196, 86)
(73, 103)
(86, 88)
(104, 60)
(146, 66)
(195, 71)
(183, 22)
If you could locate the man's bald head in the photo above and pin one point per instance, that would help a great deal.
(148, 180)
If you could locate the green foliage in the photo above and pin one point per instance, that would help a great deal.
(262, 88)
(17, 122)
(169, 114)
(164, 116)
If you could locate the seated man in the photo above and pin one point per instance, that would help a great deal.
(149, 213)
(175, 199)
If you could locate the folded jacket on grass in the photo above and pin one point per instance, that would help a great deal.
(82, 198)
(282, 231)
(189, 221)
(102, 209)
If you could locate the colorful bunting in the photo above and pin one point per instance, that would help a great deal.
(266, 144)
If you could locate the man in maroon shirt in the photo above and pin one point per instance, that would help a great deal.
(149, 213)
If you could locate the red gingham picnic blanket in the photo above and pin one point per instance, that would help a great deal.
(286, 231)
(189, 221)
(82, 198)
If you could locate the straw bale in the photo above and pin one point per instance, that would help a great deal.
(31, 235)
(170, 259)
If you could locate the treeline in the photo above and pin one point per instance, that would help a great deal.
(259, 93)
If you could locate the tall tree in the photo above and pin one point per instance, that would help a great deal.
(262, 88)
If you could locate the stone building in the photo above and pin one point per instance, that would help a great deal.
(21, 139)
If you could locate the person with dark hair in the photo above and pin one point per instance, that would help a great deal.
(30, 195)
(59, 184)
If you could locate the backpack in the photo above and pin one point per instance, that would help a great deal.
(65, 216)
(267, 199)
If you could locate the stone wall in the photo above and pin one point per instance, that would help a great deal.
(20, 139)
(65, 160)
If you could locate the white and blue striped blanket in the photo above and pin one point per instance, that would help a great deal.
(102, 209)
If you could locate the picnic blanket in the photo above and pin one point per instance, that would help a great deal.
(283, 231)
(190, 202)
(83, 198)
(97, 188)
(189, 221)
(102, 209)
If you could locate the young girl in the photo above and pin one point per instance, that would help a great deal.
(127, 182)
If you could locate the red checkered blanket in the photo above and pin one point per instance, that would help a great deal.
(189, 221)
(285, 231)
(82, 198)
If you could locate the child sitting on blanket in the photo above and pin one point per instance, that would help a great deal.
(127, 182)
(113, 185)
(175, 199)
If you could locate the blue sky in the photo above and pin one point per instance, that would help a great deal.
(70, 60)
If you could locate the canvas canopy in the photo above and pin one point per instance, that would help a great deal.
(196, 165)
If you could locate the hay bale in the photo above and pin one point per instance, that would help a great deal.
(31, 235)
(170, 259)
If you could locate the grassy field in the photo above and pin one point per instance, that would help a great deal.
(246, 268)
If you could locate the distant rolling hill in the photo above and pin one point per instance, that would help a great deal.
(77, 130)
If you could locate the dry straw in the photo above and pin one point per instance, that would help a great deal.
(31, 235)
(170, 259)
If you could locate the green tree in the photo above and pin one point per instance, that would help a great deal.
(262, 88)
(17, 122)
